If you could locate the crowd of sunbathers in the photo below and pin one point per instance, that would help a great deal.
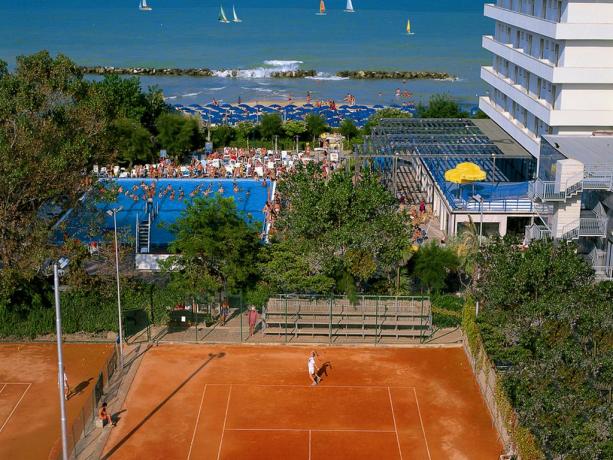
(239, 163)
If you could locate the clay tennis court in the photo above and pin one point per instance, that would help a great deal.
(256, 402)
(29, 404)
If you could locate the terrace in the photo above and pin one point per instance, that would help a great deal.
(425, 149)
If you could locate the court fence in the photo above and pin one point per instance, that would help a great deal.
(84, 422)
(518, 441)
(292, 318)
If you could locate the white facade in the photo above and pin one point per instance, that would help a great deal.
(552, 70)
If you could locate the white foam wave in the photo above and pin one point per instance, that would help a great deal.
(278, 63)
(191, 94)
(216, 89)
(449, 79)
(167, 98)
(327, 77)
(259, 90)
(260, 72)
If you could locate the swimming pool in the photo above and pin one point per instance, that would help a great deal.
(88, 221)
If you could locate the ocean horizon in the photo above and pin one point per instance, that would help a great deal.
(274, 35)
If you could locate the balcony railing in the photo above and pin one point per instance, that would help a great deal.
(519, 205)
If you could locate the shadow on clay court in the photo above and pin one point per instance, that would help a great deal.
(115, 417)
(116, 447)
(323, 370)
(80, 387)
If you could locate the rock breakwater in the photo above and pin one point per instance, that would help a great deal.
(394, 75)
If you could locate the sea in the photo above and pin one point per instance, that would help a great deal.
(273, 35)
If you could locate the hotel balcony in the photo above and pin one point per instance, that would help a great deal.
(541, 109)
(544, 69)
(556, 30)
(506, 121)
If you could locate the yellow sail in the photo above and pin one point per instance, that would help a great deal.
(408, 26)
(322, 7)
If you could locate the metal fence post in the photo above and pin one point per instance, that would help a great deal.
(376, 318)
(285, 319)
(330, 322)
(240, 313)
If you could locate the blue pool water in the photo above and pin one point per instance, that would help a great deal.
(89, 221)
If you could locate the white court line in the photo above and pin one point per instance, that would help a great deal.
(15, 383)
(389, 392)
(320, 386)
(309, 444)
(422, 424)
(317, 430)
(3, 387)
(224, 424)
(196, 426)
(15, 408)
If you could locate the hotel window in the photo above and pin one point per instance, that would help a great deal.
(529, 47)
(542, 49)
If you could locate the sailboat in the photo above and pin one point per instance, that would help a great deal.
(235, 19)
(322, 8)
(222, 16)
(142, 5)
(349, 7)
(409, 27)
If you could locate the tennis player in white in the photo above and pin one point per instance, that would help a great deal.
(313, 369)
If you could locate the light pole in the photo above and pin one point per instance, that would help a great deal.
(296, 145)
(60, 356)
(276, 138)
(479, 199)
(113, 212)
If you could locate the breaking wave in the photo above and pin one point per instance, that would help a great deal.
(265, 71)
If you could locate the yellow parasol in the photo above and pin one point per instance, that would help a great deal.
(465, 173)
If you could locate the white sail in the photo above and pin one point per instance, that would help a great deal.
(222, 15)
(143, 6)
(349, 7)
(235, 19)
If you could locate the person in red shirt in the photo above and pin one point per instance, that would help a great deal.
(104, 416)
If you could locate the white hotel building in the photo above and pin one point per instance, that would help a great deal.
(552, 71)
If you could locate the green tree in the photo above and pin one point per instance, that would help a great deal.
(271, 126)
(178, 134)
(133, 141)
(338, 234)
(433, 265)
(293, 128)
(215, 248)
(349, 129)
(244, 130)
(50, 132)
(545, 318)
(315, 125)
(223, 135)
(441, 106)
(388, 112)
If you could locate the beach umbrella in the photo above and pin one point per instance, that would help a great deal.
(465, 172)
